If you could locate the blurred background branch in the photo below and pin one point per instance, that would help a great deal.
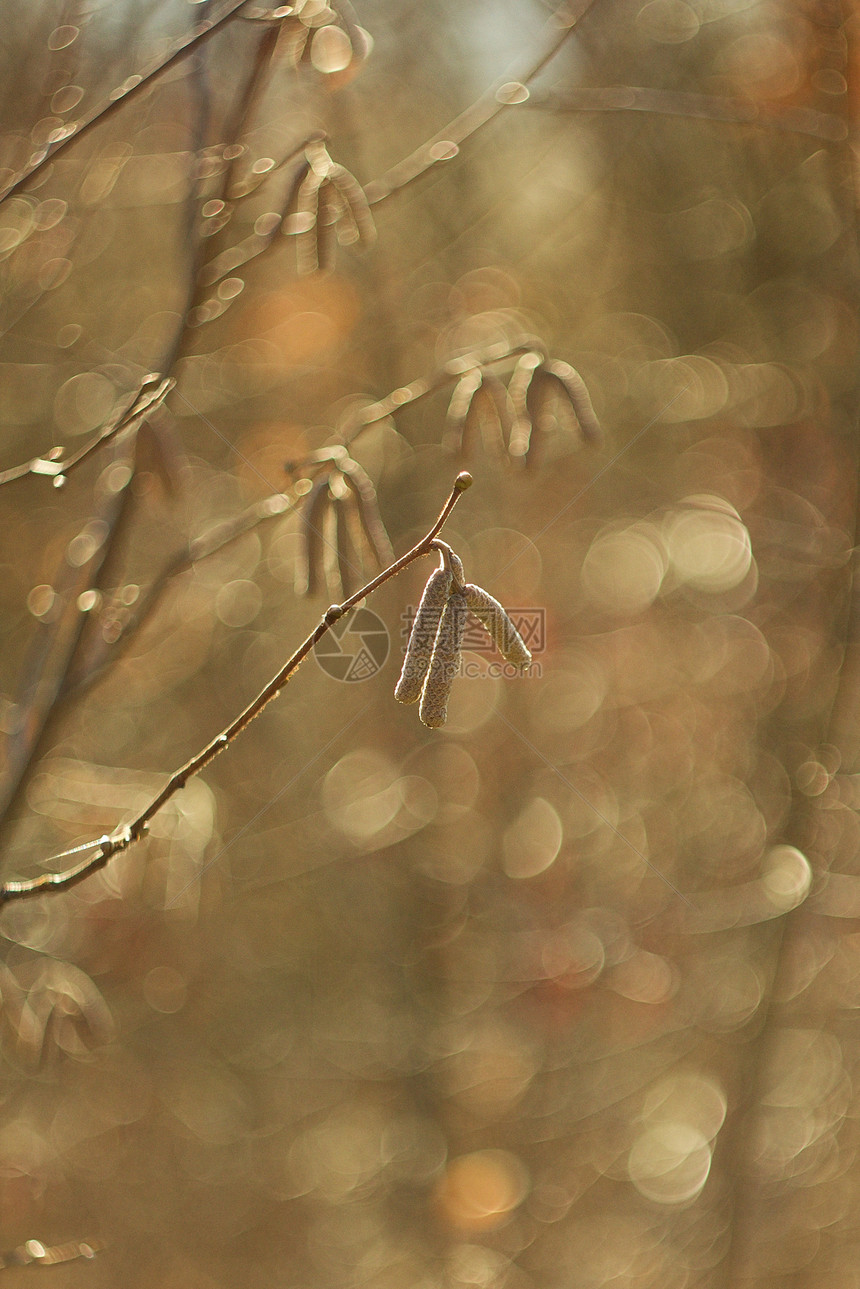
(565, 993)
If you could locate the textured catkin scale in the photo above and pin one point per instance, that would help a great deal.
(329, 551)
(328, 216)
(540, 400)
(456, 566)
(518, 392)
(419, 650)
(444, 662)
(357, 538)
(291, 204)
(492, 616)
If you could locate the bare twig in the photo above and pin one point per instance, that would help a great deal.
(359, 418)
(507, 91)
(58, 468)
(35, 1253)
(59, 638)
(512, 91)
(206, 267)
(233, 257)
(709, 107)
(108, 846)
(84, 666)
(122, 93)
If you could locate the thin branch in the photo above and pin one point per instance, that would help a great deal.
(122, 93)
(507, 91)
(358, 420)
(57, 641)
(709, 107)
(200, 548)
(123, 838)
(197, 239)
(81, 675)
(35, 1253)
(237, 255)
(58, 468)
(252, 93)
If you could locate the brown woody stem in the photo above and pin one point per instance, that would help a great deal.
(124, 837)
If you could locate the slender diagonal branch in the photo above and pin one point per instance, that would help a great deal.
(493, 101)
(709, 107)
(58, 468)
(108, 846)
(358, 420)
(57, 642)
(122, 93)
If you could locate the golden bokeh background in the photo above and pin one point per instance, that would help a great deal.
(562, 996)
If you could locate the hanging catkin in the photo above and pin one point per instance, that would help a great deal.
(453, 561)
(444, 662)
(346, 568)
(422, 638)
(492, 616)
(310, 570)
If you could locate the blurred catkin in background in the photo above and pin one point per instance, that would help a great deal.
(560, 996)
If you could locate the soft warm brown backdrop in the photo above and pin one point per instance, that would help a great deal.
(565, 995)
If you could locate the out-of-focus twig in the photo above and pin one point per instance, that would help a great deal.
(84, 664)
(200, 548)
(709, 107)
(35, 1253)
(58, 468)
(59, 637)
(360, 417)
(64, 135)
(507, 91)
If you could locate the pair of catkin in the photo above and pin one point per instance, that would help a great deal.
(343, 535)
(433, 651)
